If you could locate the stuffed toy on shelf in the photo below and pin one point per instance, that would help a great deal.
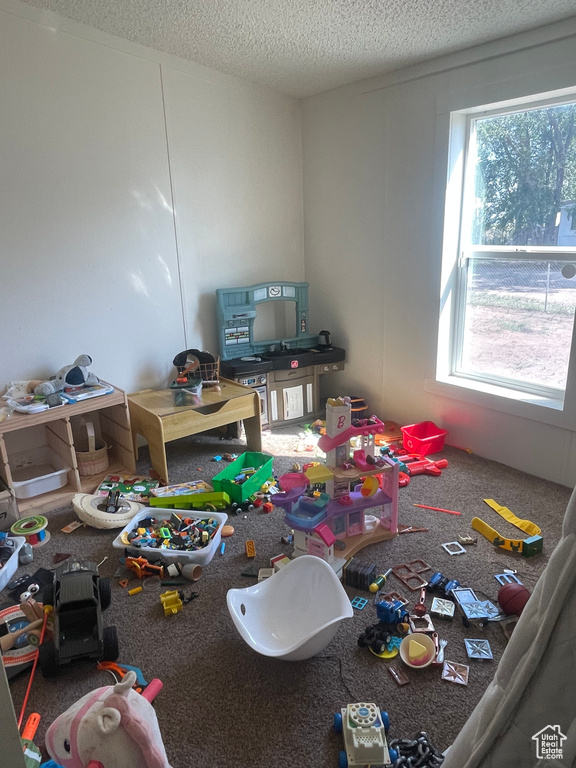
(75, 375)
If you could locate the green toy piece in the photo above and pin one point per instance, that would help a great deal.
(206, 501)
(532, 546)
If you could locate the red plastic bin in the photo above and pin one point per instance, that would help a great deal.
(423, 438)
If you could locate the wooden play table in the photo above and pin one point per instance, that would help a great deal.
(155, 416)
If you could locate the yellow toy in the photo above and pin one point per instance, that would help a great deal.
(526, 547)
(171, 602)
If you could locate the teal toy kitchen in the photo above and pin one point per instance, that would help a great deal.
(265, 343)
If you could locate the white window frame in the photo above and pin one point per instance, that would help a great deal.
(552, 406)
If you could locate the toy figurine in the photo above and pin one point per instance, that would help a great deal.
(112, 727)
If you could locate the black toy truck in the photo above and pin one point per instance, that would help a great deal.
(78, 596)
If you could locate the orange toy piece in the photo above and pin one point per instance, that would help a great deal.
(370, 486)
(250, 548)
(142, 568)
(390, 434)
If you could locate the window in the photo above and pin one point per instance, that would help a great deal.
(514, 279)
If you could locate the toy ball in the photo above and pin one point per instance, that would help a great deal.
(512, 598)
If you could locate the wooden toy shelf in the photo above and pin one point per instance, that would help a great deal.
(56, 428)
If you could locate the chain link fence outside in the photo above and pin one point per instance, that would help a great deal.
(519, 321)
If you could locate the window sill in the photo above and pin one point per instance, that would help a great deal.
(527, 406)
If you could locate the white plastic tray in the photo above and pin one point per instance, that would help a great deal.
(9, 569)
(199, 556)
(37, 471)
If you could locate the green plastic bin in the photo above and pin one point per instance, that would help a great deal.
(224, 481)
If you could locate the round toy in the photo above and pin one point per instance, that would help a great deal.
(23, 653)
(33, 529)
(192, 571)
(91, 509)
(417, 650)
(370, 486)
(512, 598)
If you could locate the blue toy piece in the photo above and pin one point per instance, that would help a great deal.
(385, 720)
(139, 676)
(391, 612)
(337, 722)
(439, 583)
(359, 602)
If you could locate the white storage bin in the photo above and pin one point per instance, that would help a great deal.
(37, 471)
(9, 569)
(199, 556)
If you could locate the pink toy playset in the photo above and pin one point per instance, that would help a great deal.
(335, 523)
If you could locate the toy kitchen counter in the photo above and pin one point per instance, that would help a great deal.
(265, 343)
(287, 380)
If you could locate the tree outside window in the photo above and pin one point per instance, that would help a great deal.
(525, 176)
(517, 288)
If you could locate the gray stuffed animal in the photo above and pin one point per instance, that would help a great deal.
(74, 375)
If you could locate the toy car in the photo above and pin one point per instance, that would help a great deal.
(364, 727)
(376, 637)
(78, 596)
(391, 612)
(439, 583)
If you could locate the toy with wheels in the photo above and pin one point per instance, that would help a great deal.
(78, 596)
(364, 727)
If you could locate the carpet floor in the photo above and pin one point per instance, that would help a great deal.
(225, 706)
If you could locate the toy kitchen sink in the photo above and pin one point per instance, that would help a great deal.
(265, 344)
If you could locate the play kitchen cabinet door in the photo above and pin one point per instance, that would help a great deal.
(292, 395)
(38, 452)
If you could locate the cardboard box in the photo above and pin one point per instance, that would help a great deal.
(8, 508)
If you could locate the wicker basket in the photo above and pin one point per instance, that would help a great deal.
(93, 460)
(210, 372)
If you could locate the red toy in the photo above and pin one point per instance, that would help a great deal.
(423, 438)
(417, 465)
(420, 465)
(512, 598)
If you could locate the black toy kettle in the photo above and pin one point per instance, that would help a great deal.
(324, 340)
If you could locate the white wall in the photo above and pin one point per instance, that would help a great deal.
(235, 155)
(374, 181)
(133, 185)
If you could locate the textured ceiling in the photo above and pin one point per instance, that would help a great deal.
(302, 47)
